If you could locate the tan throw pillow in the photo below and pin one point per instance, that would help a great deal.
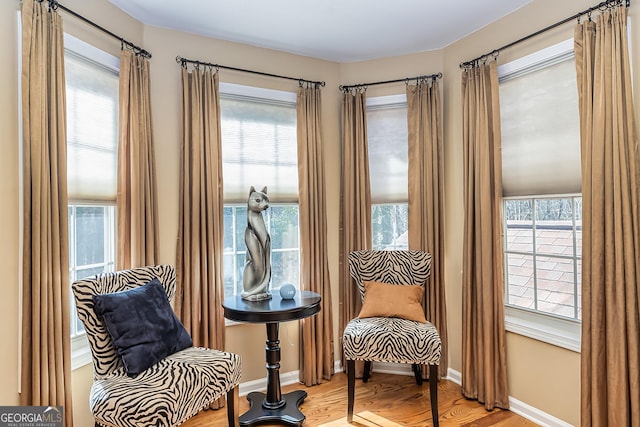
(385, 300)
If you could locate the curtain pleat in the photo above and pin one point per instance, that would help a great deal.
(484, 370)
(200, 290)
(610, 356)
(316, 342)
(355, 203)
(46, 340)
(137, 206)
(426, 200)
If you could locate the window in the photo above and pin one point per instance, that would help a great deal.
(543, 254)
(388, 169)
(259, 148)
(92, 137)
(542, 206)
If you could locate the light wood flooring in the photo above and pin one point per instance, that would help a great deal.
(385, 401)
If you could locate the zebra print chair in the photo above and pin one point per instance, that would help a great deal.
(391, 339)
(170, 391)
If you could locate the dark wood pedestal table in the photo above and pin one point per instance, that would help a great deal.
(273, 406)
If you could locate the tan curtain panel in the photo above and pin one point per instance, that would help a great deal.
(610, 356)
(484, 369)
(426, 199)
(46, 337)
(316, 343)
(137, 205)
(355, 202)
(199, 273)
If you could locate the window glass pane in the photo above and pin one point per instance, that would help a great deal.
(578, 213)
(555, 286)
(390, 224)
(240, 260)
(89, 243)
(554, 226)
(285, 268)
(520, 281)
(579, 280)
(283, 223)
(241, 225)
(519, 222)
(228, 228)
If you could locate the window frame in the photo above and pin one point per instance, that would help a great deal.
(80, 351)
(545, 327)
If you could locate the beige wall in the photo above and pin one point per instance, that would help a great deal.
(9, 202)
(541, 375)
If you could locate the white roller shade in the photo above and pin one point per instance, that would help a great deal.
(540, 127)
(259, 148)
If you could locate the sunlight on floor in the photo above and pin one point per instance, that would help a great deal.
(363, 419)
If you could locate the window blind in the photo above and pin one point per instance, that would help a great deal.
(259, 148)
(92, 129)
(388, 152)
(540, 128)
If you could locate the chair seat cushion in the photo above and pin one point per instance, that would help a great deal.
(390, 339)
(167, 393)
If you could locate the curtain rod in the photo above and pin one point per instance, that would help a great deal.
(183, 62)
(600, 6)
(54, 5)
(406, 79)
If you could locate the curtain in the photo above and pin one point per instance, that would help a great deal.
(426, 199)
(355, 202)
(316, 343)
(484, 370)
(610, 356)
(137, 205)
(46, 338)
(200, 288)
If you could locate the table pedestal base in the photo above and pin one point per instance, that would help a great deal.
(288, 413)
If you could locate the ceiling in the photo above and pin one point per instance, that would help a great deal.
(334, 30)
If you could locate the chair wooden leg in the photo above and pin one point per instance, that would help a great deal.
(367, 371)
(351, 385)
(417, 372)
(433, 391)
(233, 403)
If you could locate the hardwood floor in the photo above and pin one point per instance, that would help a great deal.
(385, 401)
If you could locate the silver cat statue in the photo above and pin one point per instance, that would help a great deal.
(257, 267)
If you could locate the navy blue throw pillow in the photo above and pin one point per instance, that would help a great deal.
(142, 325)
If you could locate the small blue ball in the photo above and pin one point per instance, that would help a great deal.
(287, 291)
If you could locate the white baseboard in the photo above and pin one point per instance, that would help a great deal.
(519, 407)
(454, 376)
(286, 378)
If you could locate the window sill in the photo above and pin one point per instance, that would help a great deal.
(80, 352)
(550, 329)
